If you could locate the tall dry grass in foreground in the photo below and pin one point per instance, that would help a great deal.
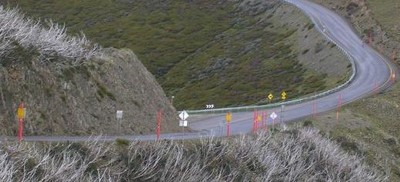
(299, 155)
(49, 41)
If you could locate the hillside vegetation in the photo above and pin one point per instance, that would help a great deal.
(221, 52)
(296, 155)
(72, 86)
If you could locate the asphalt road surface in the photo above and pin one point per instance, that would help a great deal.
(373, 73)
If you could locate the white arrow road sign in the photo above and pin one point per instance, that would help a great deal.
(183, 115)
(273, 115)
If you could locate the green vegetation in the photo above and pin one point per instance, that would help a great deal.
(102, 91)
(241, 67)
(387, 14)
(160, 33)
(201, 52)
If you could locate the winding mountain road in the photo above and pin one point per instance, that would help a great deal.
(373, 73)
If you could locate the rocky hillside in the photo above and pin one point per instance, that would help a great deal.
(71, 86)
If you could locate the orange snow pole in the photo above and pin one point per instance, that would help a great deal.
(339, 107)
(158, 129)
(20, 115)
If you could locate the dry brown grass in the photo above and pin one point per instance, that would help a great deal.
(297, 155)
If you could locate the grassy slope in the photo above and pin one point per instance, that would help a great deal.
(161, 34)
(370, 127)
(387, 13)
(253, 58)
(166, 35)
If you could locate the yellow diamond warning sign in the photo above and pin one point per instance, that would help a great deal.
(283, 95)
(270, 96)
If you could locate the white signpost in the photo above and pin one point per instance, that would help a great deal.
(273, 116)
(183, 122)
(119, 115)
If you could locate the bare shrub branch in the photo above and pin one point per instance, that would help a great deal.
(298, 155)
(50, 40)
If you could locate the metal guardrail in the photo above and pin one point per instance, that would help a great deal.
(291, 102)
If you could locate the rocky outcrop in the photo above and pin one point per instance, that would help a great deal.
(82, 99)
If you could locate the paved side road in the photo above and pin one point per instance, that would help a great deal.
(371, 69)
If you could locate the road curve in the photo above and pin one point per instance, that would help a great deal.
(373, 74)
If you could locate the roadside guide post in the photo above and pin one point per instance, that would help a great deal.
(21, 116)
(264, 120)
(339, 107)
(314, 112)
(255, 121)
(228, 118)
(158, 129)
(259, 120)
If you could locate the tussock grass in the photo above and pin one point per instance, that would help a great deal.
(297, 155)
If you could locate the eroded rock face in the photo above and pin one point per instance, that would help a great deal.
(83, 100)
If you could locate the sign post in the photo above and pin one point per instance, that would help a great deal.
(228, 118)
(21, 116)
(183, 122)
(119, 115)
(282, 110)
(273, 117)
